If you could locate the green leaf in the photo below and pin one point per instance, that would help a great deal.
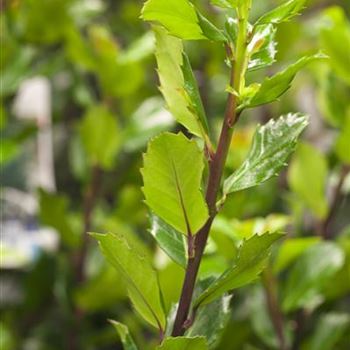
(211, 319)
(171, 69)
(178, 16)
(54, 211)
(262, 47)
(192, 90)
(335, 40)
(141, 278)
(291, 249)
(312, 271)
(307, 177)
(181, 19)
(229, 4)
(273, 87)
(172, 174)
(272, 145)
(125, 337)
(342, 145)
(169, 240)
(251, 260)
(184, 343)
(282, 13)
(101, 291)
(330, 328)
(100, 136)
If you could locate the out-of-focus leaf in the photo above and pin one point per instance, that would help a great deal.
(273, 87)
(333, 97)
(150, 119)
(102, 291)
(46, 21)
(16, 70)
(181, 19)
(335, 38)
(342, 145)
(262, 47)
(291, 249)
(169, 240)
(169, 54)
(138, 50)
(314, 268)
(172, 174)
(225, 3)
(100, 136)
(307, 176)
(261, 320)
(184, 343)
(251, 260)
(272, 144)
(211, 320)
(141, 278)
(282, 13)
(54, 213)
(330, 328)
(124, 335)
(7, 339)
(9, 150)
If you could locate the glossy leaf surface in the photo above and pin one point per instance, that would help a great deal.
(169, 240)
(272, 145)
(262, 47)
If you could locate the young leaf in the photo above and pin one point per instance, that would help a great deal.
(172, 174)
(251, 260)
(307, 177)
(273, 87)
(180, 95)
(169, 240)
(181, 19)
(125, 337)
(272, 145)
(311, 272)
(282, 13)
(184, 343)
(262, 47)
(100, 136)
(140, 277)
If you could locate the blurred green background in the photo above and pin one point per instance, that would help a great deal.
(79, 101)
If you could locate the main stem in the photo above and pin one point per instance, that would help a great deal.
(216, 168)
